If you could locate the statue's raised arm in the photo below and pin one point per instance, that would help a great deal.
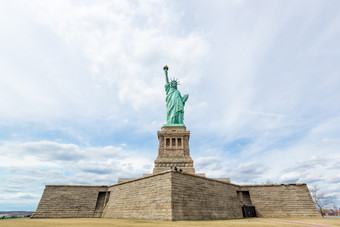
(166, 74)
(174, 102)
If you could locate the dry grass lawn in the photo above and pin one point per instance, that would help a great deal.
(86, 222)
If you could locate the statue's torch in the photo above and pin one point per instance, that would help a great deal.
(166, 73)
(166, 69)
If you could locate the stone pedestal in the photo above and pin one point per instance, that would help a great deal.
(173, 150)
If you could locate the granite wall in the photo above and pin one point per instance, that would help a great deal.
(174, 196)
(281, 200)
(143, 198)
(198, 198)
(71, 201)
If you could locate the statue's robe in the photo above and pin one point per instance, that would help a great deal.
(175, 105)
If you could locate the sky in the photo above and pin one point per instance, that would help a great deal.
(82, 91)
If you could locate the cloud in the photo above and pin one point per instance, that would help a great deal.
(248, 172)
(291, 177)
(214, 166)
(209, 163)
(333, 179)
(35, 164)
(329, 141)
(106, 152)
(95, 63)
(97, 167)
(311, 163)
(24, 196)
(337, 165)
(51, 162)
(250, 168)
(313, 178)
(130, 38)
(47, 150)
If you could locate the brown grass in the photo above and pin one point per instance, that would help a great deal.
(86, 222)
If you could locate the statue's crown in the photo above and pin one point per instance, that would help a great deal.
(174, 80)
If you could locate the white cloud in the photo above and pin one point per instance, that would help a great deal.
(65, 161)
(311, 163)
(337, 165)
(290, 177)
(312, 178)
(123, 40)
(239, 173)
(23, 196)
(209, 163)
(35, 164)
(335, 179)
(118, 48)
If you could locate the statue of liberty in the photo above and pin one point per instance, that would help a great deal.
(174, 102)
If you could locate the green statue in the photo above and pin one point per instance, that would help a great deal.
(174, 102)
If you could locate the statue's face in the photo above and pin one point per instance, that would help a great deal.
(173, 84)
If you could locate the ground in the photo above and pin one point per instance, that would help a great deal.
(86, 222)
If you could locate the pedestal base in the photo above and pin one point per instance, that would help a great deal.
(173, 150)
